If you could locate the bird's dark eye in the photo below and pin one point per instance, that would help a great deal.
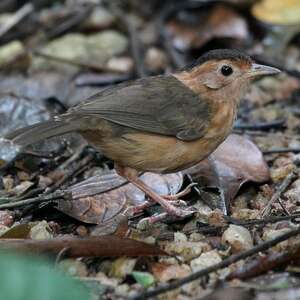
(226, 70)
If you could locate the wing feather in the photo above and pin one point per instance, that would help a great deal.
(160, 104)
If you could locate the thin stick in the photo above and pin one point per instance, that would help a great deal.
(221, 265)
(16, 18)
(246, 223)
(281, 150)
(41, 198)
(264, 264)
(135, 43)
(283, 186)
(261, 126)
(264, 221)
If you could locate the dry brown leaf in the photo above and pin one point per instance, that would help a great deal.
(85, 247)
(219, 22)
(20, 231)
(99, 199)
(236, 161)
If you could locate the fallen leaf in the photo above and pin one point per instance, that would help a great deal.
(99, 199)
(117, 226)
(236, 161)
(218, 22)
(21, 188)
(20, 231)
(83, 247)
(17, 112)
(39, 86)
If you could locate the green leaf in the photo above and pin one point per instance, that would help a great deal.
(25, 277)
(143, 278)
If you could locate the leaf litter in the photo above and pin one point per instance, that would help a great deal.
(76, 204)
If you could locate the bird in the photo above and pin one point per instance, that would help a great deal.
(162, 124)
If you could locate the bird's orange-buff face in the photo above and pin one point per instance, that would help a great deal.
(223, 79)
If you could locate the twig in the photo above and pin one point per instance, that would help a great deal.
(264, 264)
(169, 10)
(71, 171)
(223, 264)
(75, 156)
(209, 229)
(264, 221)
(281, 150)
(16, 18)
(283, 206)
(136, 49)
(96, 79)
(283, 186)
(81, 14)
(135, 43)
(39, 199)
(261, 126)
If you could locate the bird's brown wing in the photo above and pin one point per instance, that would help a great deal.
(160, 104)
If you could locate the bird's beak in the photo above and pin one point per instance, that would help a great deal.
(258, 70)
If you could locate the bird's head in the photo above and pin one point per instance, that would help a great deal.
(223, 73)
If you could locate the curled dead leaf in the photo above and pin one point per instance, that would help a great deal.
(99, 199)
(236, 161)
(219, 21)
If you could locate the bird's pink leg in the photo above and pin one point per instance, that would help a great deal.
(132, 176)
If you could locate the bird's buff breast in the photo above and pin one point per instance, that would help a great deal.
(163, 154)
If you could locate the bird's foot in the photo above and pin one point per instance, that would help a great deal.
(135, 210)
(145, 223)
(186, 191)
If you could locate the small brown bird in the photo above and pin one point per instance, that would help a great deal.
(159, 124)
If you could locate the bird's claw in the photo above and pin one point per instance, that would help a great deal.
(186, 191)
(134, 210)
(145, 223)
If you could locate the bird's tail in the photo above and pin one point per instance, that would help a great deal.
(32, 134)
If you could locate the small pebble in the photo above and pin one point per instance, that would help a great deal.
(238, 237)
